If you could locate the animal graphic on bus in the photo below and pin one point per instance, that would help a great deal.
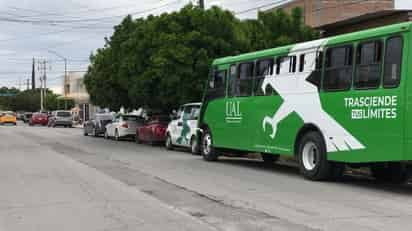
(302, 96)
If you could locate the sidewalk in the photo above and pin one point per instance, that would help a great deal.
(43, 190)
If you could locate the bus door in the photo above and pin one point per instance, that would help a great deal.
(239, 107)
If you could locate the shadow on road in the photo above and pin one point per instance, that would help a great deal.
(349, 178)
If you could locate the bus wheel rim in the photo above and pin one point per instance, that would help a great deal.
(207, 143)
(310, 154)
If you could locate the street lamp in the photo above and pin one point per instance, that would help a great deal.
(65, 72)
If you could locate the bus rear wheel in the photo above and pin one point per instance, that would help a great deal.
(208, 151)
(312, 155)
(390, 172)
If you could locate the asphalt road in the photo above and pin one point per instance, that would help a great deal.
(57, 179)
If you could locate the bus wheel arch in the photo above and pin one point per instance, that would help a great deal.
(302, 131)
(324, 169)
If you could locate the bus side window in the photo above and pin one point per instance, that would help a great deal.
(232, 81)
(263, 68)
(338, 68)
(217, 85)
(368, 65)
(286, 64)
(244, 81)
(316, 75)
(302, 63)
(393, 62)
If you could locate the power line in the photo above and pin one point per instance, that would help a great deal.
(78, 27)
(261, 6)
(6, 19)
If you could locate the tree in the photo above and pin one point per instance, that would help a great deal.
(29, 100)
(162, 61)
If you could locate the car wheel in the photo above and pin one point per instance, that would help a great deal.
(116, 135)
(312, 156)
(269, 158)
(168, 143)
(85, 132)
(194, 147)
(208, 151)
(94, 133)
(137, 139)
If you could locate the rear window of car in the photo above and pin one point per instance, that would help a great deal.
(63, 114)
(132, 118)
(104, 117)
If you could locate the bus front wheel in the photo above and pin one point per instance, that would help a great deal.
(312, 155)
(208, 151)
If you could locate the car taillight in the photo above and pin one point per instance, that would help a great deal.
(159, 131)
(124, 125)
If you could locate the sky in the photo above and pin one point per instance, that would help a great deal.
(52, 30)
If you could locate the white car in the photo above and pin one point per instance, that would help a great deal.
(181, 131)
(123, 126)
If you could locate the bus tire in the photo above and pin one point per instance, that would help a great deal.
(269, 158)
(208, 151)
(390, 172)
(312, 156)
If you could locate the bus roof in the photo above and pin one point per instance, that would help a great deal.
(370, 33)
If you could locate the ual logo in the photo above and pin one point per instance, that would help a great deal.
(233, 114)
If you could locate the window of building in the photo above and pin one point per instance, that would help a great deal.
(263, 68)
(393, 62)
(368, 65)
(338, 68)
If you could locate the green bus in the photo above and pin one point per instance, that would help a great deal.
(332, 102)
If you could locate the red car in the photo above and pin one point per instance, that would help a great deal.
(39, 119)
(153, 130)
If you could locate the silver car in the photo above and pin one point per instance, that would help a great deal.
(61, 118)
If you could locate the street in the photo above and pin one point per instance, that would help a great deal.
(58, 179)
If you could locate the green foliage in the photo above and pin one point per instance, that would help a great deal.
(162, 61)
(29, 100)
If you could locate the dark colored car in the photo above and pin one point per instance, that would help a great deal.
(97, 126)
(27, 116)
(61, 118)
(153, 130)
(39, 119)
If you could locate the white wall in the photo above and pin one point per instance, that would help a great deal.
(403, 4)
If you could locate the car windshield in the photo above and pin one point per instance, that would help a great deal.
(39, 115)
(63, 114)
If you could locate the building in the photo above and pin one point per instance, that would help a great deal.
(334, 17)
(75, 90)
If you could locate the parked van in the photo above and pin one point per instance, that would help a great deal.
(181, 131)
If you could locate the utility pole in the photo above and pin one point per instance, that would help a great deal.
(202, 4)
(42, 68)
(33, 76)
(28, 83)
